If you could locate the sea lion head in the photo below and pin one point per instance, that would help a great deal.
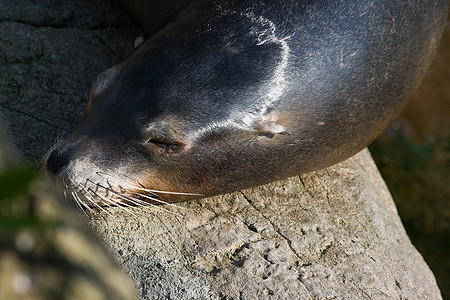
(236, 94)
(177, 120)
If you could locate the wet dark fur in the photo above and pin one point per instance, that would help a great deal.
(227, 95)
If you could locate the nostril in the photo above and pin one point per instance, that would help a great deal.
(55, 161)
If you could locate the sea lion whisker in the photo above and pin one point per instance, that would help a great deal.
(162, 208)
(107, 189)
(79, 202)
(120, 195)
(160, 201)
(60, 137)
(122, 205)
(117, 194)
(92, 194)
(97, 205)
(75, 194)
(162, 192)
(56, 140)
(116, 203)
(106, 176)
(107, 201)
(65, 194)
(98, 185)
(158, 206)
(142, 186)
(75, 200)
(89, 191)
(136, 201)
(143, 203)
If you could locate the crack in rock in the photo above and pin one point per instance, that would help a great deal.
(276, 229)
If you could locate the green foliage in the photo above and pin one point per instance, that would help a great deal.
(16, 183)
(418, 176)
(17, 212)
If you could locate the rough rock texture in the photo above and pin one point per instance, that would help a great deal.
(50, 52)
(329, 234)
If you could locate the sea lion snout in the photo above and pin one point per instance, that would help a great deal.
(55, 161)
(63, 153)
(86, 177)
(100, 170)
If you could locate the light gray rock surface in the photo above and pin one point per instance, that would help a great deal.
(330, 234)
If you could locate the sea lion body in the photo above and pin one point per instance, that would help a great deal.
(234, 94)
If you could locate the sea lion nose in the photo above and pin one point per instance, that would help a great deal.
(55, 161)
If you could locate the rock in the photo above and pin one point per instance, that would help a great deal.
(334, 233)
(47, 67)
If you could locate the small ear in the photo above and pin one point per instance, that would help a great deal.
(138, 41)
(270, 128)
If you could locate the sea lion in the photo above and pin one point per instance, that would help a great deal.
(226, 95)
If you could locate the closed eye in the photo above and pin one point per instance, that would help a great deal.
(169, 147)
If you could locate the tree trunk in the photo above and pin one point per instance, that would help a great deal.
(334, 233)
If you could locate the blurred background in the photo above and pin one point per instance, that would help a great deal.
(413, 156)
